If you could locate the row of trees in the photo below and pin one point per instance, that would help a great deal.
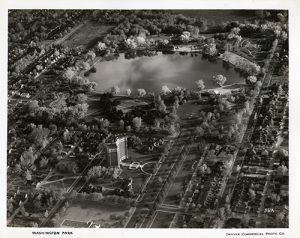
(98, 172)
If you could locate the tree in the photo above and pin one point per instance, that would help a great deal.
(220, 79)
(92, 86)
(27, 158)
(282, 170)
(104, 124)
(18, 169)
(128, 128)
(53, 128)
(245, 220)
(200, 85)
(165, 89)
(247, 107)
(176, 103)
(101, 46)
(131, 43)
(227, 166)
(79, 110)
(280, 17)
(66, 167)
(28, 175)
(43, 162)
(279, 219)
(68, 74)
(185, 36)
(238, 168)
(161, 105)
(84, 65)
(200, 131)
(252, 194)
(172, 129)
(141, 92)
(140, 40)
(210, 49)
(251, 80)
(222, 213)
(33, 106)
(238, 118)
(156, 124)
(128, 91)
(34, 224)
(121, 125)
(39, 136)
(91, 55)
(115, 90)
(81, 98)
(137, 122)
(46, 214)
(136, 141)
(66, 136)
(282, 152)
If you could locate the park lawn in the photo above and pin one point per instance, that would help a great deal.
(90, 33)
(159, 37)
(127, 105)
(175, 189)
(85, 210)
(189, 109)
(162, 219)
(136, 156)
(137, 176)
(177, 186)
(21, 222)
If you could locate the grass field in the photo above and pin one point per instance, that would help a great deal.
(87, 35)
(128, 104)
(177, 186)
(189, 109)
(103, 214)
(162, 219)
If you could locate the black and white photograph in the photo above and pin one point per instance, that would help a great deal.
(167, 118)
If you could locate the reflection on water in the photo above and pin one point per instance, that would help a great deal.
(151, 73)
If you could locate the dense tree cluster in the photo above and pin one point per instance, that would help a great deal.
(143, 23)
(58, 110)
(39, 136)
(37, 25)
(100, 172)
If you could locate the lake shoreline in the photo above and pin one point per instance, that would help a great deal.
(152, 72)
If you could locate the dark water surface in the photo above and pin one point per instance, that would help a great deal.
(151, 73)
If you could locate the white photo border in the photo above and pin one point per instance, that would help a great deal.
(294, 104)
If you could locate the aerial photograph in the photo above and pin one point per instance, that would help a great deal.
(147, 118)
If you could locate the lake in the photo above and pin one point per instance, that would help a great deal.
(151, 73)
